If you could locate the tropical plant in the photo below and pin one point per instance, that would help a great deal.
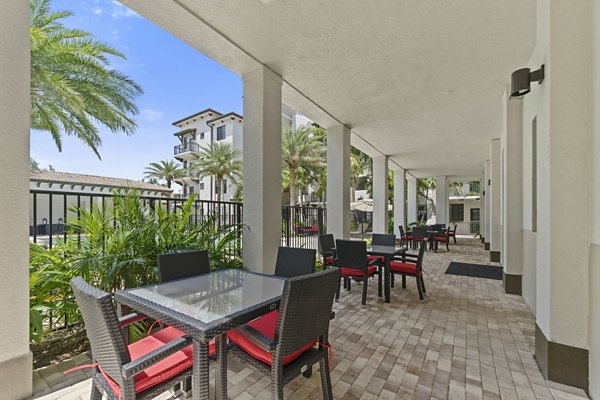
(166, 170)
(33, 165)
(221, 161)
(302, 152)
(73, 87)
(116, 247)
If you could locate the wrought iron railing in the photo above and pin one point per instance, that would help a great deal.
(186, 147)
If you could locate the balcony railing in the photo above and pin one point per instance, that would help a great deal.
(186, 147)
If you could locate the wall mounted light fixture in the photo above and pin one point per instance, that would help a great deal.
(520, 80)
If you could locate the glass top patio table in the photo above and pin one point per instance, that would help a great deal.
(206, 307)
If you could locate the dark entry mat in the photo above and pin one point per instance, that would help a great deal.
(475, 270)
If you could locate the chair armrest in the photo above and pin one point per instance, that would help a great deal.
(405, 260)
(134, 367)
(376, 261)
(130, 319)
(405, 256)
(266, 343)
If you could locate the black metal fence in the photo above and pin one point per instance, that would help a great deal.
(50, 211)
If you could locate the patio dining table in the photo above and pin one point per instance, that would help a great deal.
(388, 253)
(206, 307)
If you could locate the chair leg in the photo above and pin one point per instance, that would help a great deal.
(420, 289)
(337, 293)
(423, 285)
(454, 239)
(364, 293)
(392, 275)
(308, 372)
(403, 281)
(95, 394)
(325, 379)
(447, 247)
(277, 381)
(349, 284)
(379, 287)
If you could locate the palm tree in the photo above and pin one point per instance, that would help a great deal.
(221, 161)
(72, 84)
(303, 153)
(167, 170)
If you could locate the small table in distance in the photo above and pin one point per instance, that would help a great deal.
(388, 253)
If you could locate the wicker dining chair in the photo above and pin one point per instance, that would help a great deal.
(326, 246)
(354, 264)
(405, 238)
(293, 261)
(182, 264)
(410, 265)
(419, 234)
(300, 337)
(141, 370)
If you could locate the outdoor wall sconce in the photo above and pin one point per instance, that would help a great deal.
(520, 80)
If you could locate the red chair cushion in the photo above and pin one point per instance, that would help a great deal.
(403, 267)
(419, 239)
(374, 258)
(265, 325)
(441, 239)
(358, 272)
(329, 261)
(162, 370)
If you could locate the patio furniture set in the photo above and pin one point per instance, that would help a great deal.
(279, 322)
(434, 234)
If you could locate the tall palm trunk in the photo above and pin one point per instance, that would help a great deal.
(219, 185)
(292, 187)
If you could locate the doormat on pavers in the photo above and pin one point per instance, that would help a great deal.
(475, 270)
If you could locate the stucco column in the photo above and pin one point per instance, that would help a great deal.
(564, 175)
(338, 181)
(512, 216)
(495, 201)
(487, 203)
(441, 200)
(15, 358)
(482, 220)
(411, 201)
(399, 200)
(262, 169)
(380, 194)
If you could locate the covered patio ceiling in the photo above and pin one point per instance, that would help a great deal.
(418, 80)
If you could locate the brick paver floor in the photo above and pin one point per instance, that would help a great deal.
(467, 340)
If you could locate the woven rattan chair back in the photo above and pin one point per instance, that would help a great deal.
(383, 239)
(401, 230)
(305, 310)
(422, 248)
(419, 232)
(326, 243)
(352, 254)
(102, 326)
(184, 264)
(292, 261)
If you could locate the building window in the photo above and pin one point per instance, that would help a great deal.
(474, 214)
(474, 187)
(224, 186)
(185, 164)
(201, 135)
(201, 185)
(191, 191)
(457, 212)
(221, 132)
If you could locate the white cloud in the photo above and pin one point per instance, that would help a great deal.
(98, 11)
(120, 11)
(151, 115)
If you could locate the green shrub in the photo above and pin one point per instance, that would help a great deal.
(115, 248)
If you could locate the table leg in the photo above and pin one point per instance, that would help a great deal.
(221, 370)
(200, 374)
(387, 279)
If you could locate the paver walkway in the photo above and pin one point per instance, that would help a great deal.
(467, 340)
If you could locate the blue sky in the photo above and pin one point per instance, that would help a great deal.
(177, 81)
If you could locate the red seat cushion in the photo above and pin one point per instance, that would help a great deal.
(162, 370)
(329, 261)
(358, 272)
(441, 239)
(403, 267)
(374, 258)
(265, 325)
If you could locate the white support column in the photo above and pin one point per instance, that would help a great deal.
(482, 218)
(441, 200)
(262, 169)
(338, 181)
(380, 194)
(495, 201)
(512, 215)
(15, 357)
(412, 198)
(487, 204)
(399, 200)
